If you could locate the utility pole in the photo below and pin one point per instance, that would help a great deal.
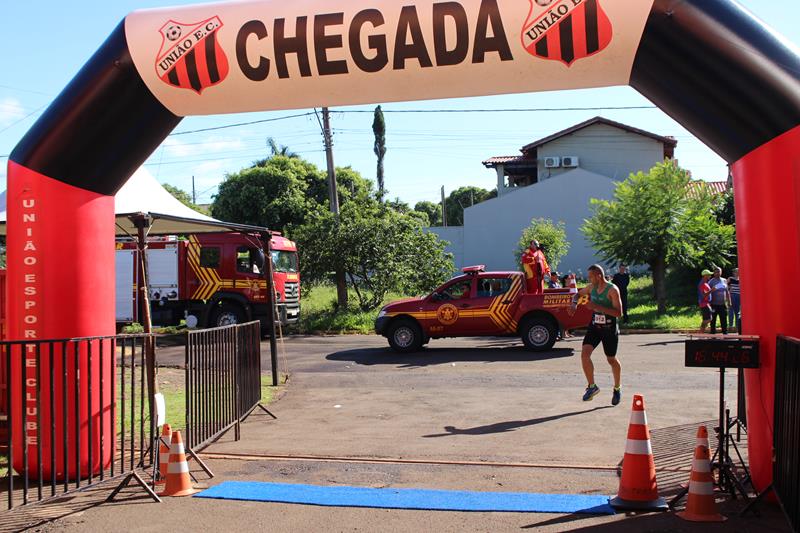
(194, 194)
(444, 210)
(341, 284)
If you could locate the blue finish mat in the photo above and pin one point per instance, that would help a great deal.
(439, 500)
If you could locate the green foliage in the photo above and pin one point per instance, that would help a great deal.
(379, 249)
(432, 210)
(658, 220)
(553, 237)
(134, 327)
(464, 197)
(379, 129)
(273, 195)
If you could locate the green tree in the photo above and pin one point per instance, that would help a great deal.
(379, 129)
(433, 211)
(553, 237)
(274, 195)
(656, 219)
(462, 198)
(281, 190)
(379, 249)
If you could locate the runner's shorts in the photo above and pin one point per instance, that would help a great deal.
(706, 313)
(609, 336)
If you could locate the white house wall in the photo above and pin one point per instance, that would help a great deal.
(455, 236)
(603, 149)
(492, 228)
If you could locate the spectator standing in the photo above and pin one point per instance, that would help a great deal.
(704, 299)
(535, 267)
(553, 282)
(735, 310)
(720, 298)
(621, 279)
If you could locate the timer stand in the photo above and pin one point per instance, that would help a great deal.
(717, 351)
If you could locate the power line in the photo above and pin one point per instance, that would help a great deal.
(240, 124)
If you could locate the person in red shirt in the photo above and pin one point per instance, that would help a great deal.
(704, 299)
(535, 266)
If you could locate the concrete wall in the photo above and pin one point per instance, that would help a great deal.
(455, 236)
(604, 150)
(492, 229)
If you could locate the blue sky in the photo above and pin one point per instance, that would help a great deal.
(45, 42)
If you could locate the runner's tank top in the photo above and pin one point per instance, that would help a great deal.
(601, 298)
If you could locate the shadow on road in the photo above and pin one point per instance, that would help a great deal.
(663, 343)
(441, 356)
(511, 425)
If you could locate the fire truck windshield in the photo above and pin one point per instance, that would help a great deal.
(284, 261)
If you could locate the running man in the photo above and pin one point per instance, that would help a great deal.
(604, 301)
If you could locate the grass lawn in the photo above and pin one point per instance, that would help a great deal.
(319, 313)
(171, 384)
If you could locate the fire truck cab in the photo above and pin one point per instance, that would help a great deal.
(209, 280)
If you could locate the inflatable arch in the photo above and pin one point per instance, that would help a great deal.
(708, 63)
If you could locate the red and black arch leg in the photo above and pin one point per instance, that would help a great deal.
(736, 85)
(61, 180)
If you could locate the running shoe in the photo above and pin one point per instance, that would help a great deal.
(591, 392)
(616, 396)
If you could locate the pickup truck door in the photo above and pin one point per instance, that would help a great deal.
(447, 311)
(492, 309)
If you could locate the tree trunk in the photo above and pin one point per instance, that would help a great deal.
(659, 268)
(341, 290)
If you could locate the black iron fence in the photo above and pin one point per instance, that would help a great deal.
(786, 434)
(223, 380)
(78, 412)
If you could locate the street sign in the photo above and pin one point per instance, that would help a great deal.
(722, 352)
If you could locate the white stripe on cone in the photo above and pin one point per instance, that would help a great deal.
(638, 447)
(701, 465)
(701, 488)
(177, 447)
(178, 467)
(638, 418)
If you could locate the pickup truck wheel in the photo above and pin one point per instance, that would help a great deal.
(405, 336)
(227, 315)
(538, 334)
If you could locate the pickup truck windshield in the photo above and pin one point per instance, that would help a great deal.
(284, 261)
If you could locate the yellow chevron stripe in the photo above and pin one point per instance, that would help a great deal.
(209, 279)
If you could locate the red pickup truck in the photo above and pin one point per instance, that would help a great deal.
(480, 303)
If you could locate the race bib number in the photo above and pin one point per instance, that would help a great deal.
(600, 320)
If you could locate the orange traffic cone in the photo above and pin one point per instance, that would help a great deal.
(701, 506)
(701, 440)
(638, 490)
(178, 481)
(163, 453)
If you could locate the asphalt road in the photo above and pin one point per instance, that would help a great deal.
(469, 414)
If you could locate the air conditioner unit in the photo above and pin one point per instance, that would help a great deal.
(552, 162)
(569, 161)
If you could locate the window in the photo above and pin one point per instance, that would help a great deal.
(248, 260)
(284, 261)
(493, 286)
(209, 257)
(458, 290)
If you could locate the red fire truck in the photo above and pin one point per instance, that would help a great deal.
(480, 303)
(209, 280)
